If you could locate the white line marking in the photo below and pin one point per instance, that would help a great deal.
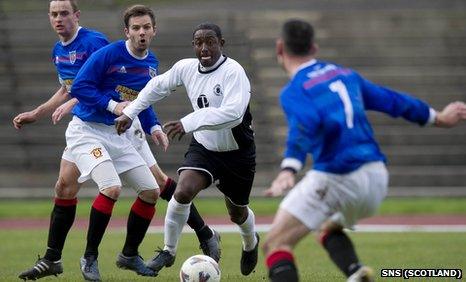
(230, 228)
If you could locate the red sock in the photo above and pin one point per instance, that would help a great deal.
(278, 256)
(143, 209)
(281, 267)
(103, 204)
(66, 202)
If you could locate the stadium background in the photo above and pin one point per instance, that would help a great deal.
(417, 46)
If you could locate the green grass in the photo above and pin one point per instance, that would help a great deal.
(380, 250)
(19, 248)
(216, 207)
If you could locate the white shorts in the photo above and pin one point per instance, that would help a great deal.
(341, 198)
(137, 137)
(93, 143)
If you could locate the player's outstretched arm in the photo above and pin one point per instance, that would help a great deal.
(60, 96)
(451, 115)
(174, 128)
(63, 110)
(284, 181)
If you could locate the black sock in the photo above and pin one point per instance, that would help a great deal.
(204, 233)
(168, 190)
(281, 267)
(341, 251)
(283, 271)
(101, 212)
(61, 220)
(195, 220)
(139, 220)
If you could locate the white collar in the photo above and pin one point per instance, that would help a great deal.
(66, 43)
(304, 65)
(134, 55)
(206, 69)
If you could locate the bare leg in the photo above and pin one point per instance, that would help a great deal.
(285, 233)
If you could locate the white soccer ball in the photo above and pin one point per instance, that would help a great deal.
(200, 268)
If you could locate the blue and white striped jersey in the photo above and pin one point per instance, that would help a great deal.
(68, 57)
(325, 108)
(113, 74)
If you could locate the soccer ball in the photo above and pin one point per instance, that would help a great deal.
(200, 268)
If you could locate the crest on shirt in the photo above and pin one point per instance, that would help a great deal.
(152, 72)
(218, 90)
(72, 57)
(97, 152)
(138, 134)
(202, 101)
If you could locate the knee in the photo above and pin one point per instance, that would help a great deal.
(238, 215)
(184, 194)
(150, 196)
(66, 190)
(112, 192)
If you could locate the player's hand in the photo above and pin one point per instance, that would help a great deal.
(160, 138)
(173, 129)
(284, 181)
(122, 123)
(24, 118)
(63, 110)
(120, 107)
(451, 115)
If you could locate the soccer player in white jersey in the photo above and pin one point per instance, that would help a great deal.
(325, 108)
(222, 147)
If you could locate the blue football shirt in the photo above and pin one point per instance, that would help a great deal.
(70, 56)
(325, 108)
(113, 73)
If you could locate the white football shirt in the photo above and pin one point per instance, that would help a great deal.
(219, 96)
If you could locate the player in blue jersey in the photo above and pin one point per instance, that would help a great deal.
(75, 46)
(325, 109)
(113, 74)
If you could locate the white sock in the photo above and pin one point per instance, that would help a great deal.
(248, 234)
(175, 219)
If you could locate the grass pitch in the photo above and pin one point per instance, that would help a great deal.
(19, 250)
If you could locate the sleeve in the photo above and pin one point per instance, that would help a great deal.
(53, 58)
(393, 103)
(148, 120)
(237, 93)
(302, 123)
(98, 43)
(86, 84)
(156, 89)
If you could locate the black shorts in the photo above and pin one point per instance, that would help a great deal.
(234, 170)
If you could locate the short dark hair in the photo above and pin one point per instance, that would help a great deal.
(74, 4)
(210, 26)
(298, 36)
(137, 11)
